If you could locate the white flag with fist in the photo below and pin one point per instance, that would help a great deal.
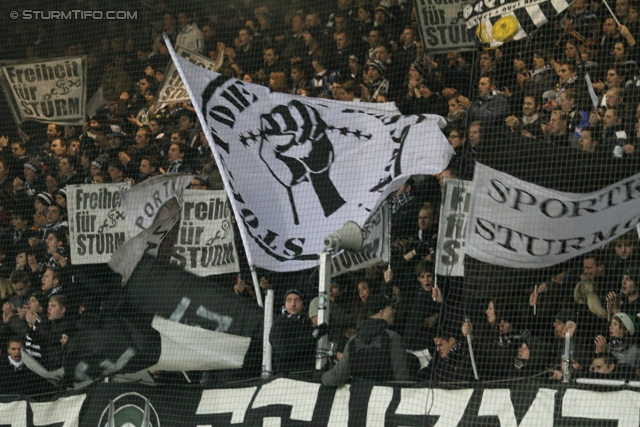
(298, 168)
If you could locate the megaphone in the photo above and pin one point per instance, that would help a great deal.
(349, 238)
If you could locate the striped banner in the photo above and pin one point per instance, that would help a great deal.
(530, 14)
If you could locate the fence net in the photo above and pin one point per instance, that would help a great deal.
(171, 173)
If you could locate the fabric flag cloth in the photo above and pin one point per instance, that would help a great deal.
(152, 200)
(527, 14)
(298, 168)
(46, 90)
(126, 258)
(518, 224)
(148, 324)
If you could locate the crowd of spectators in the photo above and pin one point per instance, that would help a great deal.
(352, 51)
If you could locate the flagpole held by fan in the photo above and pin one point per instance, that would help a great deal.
(348, 238)
(613, 15)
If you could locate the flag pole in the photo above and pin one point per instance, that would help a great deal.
(613, 15)
(225, 179)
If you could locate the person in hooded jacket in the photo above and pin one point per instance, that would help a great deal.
(374, 352)
(532, 358)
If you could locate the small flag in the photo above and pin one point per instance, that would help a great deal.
(498, 22)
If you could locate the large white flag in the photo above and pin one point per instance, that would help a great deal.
(298, 168)
(514, 223)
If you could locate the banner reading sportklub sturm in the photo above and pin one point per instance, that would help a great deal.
(298, 168)
(47, 91)
(517, 224)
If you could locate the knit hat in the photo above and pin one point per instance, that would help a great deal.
(293, 291)
(313, 307)
(33, 164)
(100, 162)
(378, 65)
(627, 321)
(379, 302)
(45, 198)
(354, 59)
(421, 68)
(40, 297)
(634, 275)
(62, 192)
(116, 132)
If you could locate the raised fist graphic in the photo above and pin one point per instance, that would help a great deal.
(295, 147)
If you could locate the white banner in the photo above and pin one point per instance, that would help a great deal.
(172, 89)
(454, 211)
(97, 224)
(205, 245)
(514, 223)
(442, 27)
(152, 200)
(298, 168)
(47, 91)
(375, 245)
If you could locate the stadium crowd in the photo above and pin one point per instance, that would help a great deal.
(352, 51)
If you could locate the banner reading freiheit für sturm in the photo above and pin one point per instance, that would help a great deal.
(442, 27)
(97, 225)
(47, 91)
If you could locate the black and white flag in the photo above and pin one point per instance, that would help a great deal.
(172, 89)
(528, 15)
(297, 168)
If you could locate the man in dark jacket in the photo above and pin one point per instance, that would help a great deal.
(452, 362)
(374, 352)
(292, 338)
(490, 106)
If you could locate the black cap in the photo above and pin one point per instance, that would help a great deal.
(380, 302)
(294, 291)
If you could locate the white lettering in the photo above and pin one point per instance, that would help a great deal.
(498, 403)
(449, 405)
(223, 401)
(65, 410)
(299, 395)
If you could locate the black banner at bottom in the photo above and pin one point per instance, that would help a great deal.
(289, 402)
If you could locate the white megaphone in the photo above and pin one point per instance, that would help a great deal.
(349, 238)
